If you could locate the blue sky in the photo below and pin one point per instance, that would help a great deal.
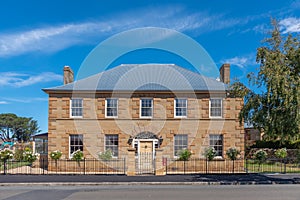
(38, 38)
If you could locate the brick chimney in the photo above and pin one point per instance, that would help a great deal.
(68, 75)
(225, 73)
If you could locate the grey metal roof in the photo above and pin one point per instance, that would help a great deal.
(144, 77)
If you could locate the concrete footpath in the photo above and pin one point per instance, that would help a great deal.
(197, 179)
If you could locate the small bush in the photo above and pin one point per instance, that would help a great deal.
(260, 156)
(55, 155)
(281, 153)
(107, 155)
(18, 155)
(184, 155)
(210, 153)
(77, 155)
(232, 153)
(29, 156)
(5, 155)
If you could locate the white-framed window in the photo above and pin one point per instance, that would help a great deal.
(216, 141)
(180, 108)
(112, 143)
(111, 107)
(146, 108)
(180, 143)
(75, 143)
(215, 108)
(76, 109)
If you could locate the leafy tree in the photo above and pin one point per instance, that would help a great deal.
(7, 126)
(238, 89)
(20, 128)
(276, 111)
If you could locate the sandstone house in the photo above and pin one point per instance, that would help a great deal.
(144, 109)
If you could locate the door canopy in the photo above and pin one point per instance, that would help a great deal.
(146, 135)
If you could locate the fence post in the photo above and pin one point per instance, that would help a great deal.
(84, 166)
(284, 160)
(43, 163)
(206, 165)
(246, 165)
(124, 165)
(166, 166)
(184, 167)
(4, 165)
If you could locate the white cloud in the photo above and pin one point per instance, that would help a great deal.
(13, 79)
(290, 25)
(24, 99)
(3, 102)
(55, 38)
(241, 62)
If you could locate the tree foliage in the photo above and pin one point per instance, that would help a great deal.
(19, 128)
(276, 111)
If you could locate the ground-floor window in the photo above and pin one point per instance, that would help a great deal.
(112, 143)
(180, 142)
(216, 141)
(76, 143)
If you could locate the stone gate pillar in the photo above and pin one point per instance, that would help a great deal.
(130, 162)
(160, 163)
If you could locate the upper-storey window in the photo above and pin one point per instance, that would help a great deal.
(180, 107)
(216, 108)
(111, 107)
(76, 107)
(146, 108)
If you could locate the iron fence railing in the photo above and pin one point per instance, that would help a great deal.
(203, 166)
(272, 165)
(64, 166)
(161, 165)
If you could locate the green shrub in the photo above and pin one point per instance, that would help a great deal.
(106, 155)
(281, 153)
(260, 156)
(18, 155)
(276, 144)
(232, 153)
(210, 153)
(5, 155)
(55, 155)
(77, 155)
(29, 156)
(184, 155)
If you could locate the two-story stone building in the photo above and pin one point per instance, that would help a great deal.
(144, 108)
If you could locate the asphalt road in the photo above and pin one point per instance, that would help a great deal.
(140, 192)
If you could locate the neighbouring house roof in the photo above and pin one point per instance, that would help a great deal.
(144, 77)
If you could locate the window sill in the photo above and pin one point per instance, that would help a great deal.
(180, 117)
(76, 117)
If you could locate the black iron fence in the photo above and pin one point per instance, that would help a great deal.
(272, 165)
(161, 165)
(203, 166)
(66, 166)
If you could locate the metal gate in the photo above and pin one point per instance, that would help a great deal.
(145, 163)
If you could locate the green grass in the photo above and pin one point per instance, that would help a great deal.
(13, 164)
(272, 167)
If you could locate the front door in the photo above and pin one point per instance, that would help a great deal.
(145, 159)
